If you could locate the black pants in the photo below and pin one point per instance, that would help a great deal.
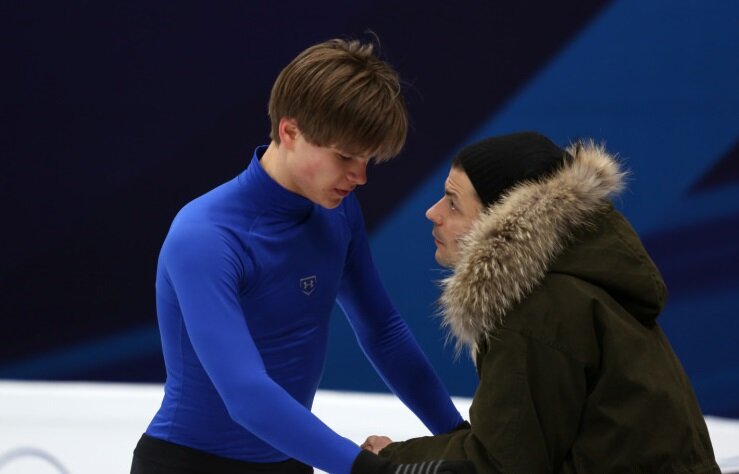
(155, 456)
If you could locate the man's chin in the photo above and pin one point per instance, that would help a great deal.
(442, 260)
(329, 203)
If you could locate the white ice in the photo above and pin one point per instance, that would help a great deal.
(83, 428)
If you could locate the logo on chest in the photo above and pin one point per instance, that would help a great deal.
(308, 284)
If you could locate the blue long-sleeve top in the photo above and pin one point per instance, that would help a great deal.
(246, 281)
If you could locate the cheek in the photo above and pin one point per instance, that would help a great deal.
(465, 225)
(458, 229)
(308, 170)
(455, 231)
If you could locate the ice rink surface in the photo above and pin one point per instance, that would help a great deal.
(80, 428)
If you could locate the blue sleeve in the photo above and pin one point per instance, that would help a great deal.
(205, 275)
(385, 338)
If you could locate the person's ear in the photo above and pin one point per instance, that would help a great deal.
(288, 130)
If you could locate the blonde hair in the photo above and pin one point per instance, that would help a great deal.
(342, 95)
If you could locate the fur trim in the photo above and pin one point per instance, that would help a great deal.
(509, 249)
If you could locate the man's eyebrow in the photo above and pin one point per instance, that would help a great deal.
(447, 192)
(353, 156)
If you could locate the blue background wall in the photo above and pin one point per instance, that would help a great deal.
(114, 114)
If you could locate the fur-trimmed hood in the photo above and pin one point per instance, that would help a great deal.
(515, 242)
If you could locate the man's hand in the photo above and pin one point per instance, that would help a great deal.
(375, 444)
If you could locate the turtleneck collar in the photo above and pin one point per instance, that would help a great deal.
(268, 195)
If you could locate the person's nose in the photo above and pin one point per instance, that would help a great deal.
(358, 172)
(432, 213)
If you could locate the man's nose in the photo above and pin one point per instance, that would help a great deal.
(432, 213)
(358, 173)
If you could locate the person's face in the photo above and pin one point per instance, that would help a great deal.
(453, 216)
(325, 175)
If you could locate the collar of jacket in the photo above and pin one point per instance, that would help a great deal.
(513, 243)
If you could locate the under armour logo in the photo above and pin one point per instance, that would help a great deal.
(308, 284)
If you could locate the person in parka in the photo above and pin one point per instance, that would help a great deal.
(555, 297)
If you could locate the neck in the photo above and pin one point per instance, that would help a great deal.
(273, 163)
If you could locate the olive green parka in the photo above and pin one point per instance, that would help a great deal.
(557, 300)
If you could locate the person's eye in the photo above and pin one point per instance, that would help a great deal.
(344, 157)
(452, 205)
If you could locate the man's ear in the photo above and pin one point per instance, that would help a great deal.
(288, 130)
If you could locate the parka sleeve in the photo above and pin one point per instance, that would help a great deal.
(525, 413)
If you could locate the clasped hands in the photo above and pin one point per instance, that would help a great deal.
(375, 443)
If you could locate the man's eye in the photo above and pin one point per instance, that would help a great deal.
(345, 158)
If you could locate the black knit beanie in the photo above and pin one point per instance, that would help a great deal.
(498, 163)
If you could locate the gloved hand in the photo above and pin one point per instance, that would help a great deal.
(368, 463)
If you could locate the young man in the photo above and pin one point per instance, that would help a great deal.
(557, 300)
(249, 273)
